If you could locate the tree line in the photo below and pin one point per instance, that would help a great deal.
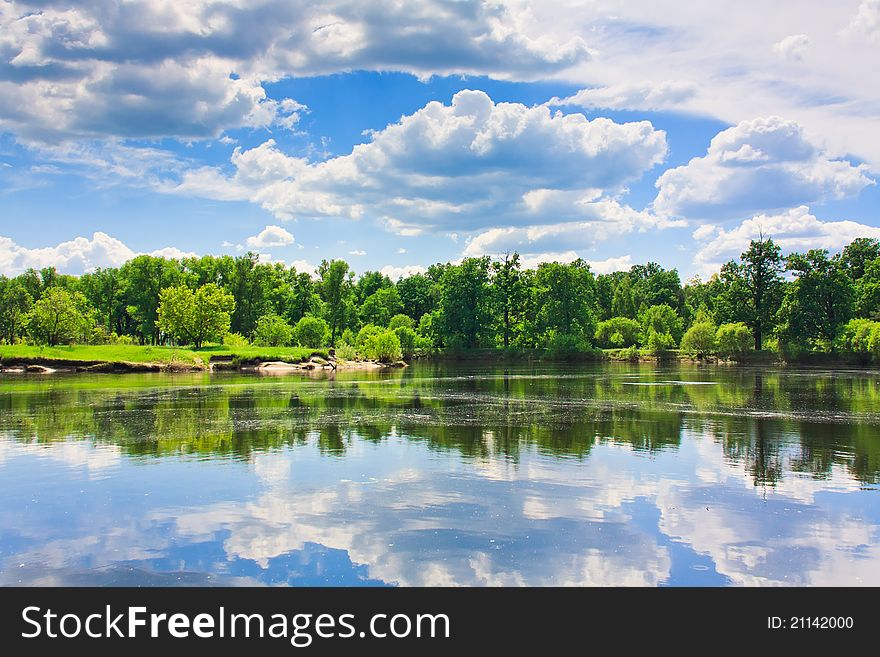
(812, 301)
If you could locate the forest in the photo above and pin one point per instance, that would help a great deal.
(762, 302)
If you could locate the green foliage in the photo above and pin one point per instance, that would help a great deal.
(818, 303)
(861, 336)
(661, 320)
(465, 303)
(734, 340)
(59, 317)
(273, 331)
(15, 303)
(336, 290)
(418, 294)
(867, 291)
(195, 317)
(346, 351)
(508, 298)
(658, 342)
(311, 332)
(381, 306)
(407, 338)
(563, 295)
(235, 340)
(618, 332)
(401, 320)
(383, 346)
(566, 345)
(366, 333)
(700, 339)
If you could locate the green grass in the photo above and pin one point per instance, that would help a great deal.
(112, 353)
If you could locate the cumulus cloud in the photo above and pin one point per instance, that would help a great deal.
(793, 230)
(601, 219)
(760, 165)
(459, 166)
(270, 236)
(651, 96)
(395, 273)
(793, 46)
(146, 68)
(73, 257)
(866, 22)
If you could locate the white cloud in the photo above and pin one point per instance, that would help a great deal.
(532, 261)
(401, 251)
(462, 166)
(147, 68)
(792, 46)
(357, 252)
(759, 165)
(270, 236)
(651, 96)
(609, 265)
(394, 273)
(600, 220)
(794, 230)
(76, 256)
(866, 22)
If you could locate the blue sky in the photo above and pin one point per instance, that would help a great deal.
(398, 134)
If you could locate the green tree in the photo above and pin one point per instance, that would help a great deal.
(820, 300)
(622, 302)
(384, 347)
(508, 296)
(368, 284)
(565, 301)
(143, 278)
(407, 338)
(311, 332)
(867, 291)
(465, 304)
(663, 320)
(273, 331)
(400, 320)
(418, 294)
(335, 288)
(15, 303)
(734, 339)
(857, 255)
(618, 332)
(752, 291)
(58, 317)
(700, 339)
(381, 306)
(195, 317)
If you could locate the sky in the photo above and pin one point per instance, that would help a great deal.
(400, 133)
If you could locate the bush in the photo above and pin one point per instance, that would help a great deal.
(401, 320)
(700, 339)
(407, 339)
(856, 335)
(384, 347)
(618, 332)
(661, 319)
(346, 351)
(659, 343)
(235, 340)
(367, 332)
(734, 340)
(565, 345)
(311, 332)
(274, 331)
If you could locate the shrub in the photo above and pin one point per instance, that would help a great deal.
(661, 319)
(658, 343)
(384, 347)
(346, 351)
(274, 331)
(311, 332)
(856, 335)
(565, 345)
(235, 340)
(700, 339)
(407, 339)
(401, 320)
(734, 340)
(367, 332)
(618, 332)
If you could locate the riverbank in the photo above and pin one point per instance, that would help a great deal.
(20, 359)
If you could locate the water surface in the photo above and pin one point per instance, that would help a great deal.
(443, 475)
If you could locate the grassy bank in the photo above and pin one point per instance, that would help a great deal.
(12, 354)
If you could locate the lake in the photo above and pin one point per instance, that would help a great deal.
(443, 475)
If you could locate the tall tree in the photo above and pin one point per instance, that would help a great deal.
(195, 316)
(15, 303)
(752, 289)
(465, 304)
(144, 277)
(335, 287)
(418, 294)
(858, 254)
(508, 296)
(565, 296)
(820, 301)
(58, 317)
